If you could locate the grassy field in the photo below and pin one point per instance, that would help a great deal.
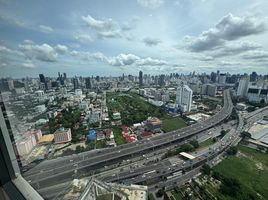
(250, 168)
(172, 123)
(176, 195)
(118, 136)
(134, 109)
(206, 143)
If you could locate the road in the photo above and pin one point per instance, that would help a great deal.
(62, 169)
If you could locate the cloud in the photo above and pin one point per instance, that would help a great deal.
(100, 25)
(84, 38)
(28, 42)
(45, 29)
(227, 29)
(4, 49)
(123, 60)
(151, 4)
(42, 52)
(28, 64)
(106, 28)
(3, 65)
(61, 49)
(205, 58)
(151, 41)
(150, 61)
(119, 60)
(109, 34)
(234, 49)
(13, 20)
(229, 63)
(258, 55)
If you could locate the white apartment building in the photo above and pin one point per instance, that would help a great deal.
(243, 87)
(184, 98)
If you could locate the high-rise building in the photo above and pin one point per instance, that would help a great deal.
(213, 77)
(76, 83)
(43, 81)
(243, 86)
(10, 84)
(42, 78)
(222, 78)
(209, 89)
(253, 77)
(161, 80)
(184, 98)
(88, 83)
(140, 79)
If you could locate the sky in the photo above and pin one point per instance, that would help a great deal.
(112, 37)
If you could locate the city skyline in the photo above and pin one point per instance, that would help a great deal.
(115, 37)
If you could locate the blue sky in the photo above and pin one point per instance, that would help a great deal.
(111, 37)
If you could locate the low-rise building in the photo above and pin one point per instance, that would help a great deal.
(153, 124)
(62, 135)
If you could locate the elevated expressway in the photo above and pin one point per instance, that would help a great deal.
(60, 170)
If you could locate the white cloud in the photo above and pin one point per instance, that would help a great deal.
(3, 64)
(28, 64)
(150, 61)
(28, 42)
(42, 52)
(227, 29)
(84, 38)
(233, 49)
(119, 60)
(151, 41)
(152, 4)
(45, 29)
(258, 54)
(100, 25)
(109, 34)
(61, 49)
(4, 49)
(123, 59)
(107, 28)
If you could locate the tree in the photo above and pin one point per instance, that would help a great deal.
(223, 133)
(251, 108)
(194, 143)
(245, 134)
(230, 186)
(186, 148)
(232, 150)
(160, 193)
(205, 169)
(260, 148)
(216, 175)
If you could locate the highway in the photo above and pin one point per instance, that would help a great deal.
(54, 171)
(166, 174)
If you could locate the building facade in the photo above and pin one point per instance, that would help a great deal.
(62, 135)
(184, 98)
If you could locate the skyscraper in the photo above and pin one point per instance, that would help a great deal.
(43, 80)
(88, 83)
(75, 83)
(243, 86)
(253, 77)
(140, 79)
(222, 78)
(184, 98)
